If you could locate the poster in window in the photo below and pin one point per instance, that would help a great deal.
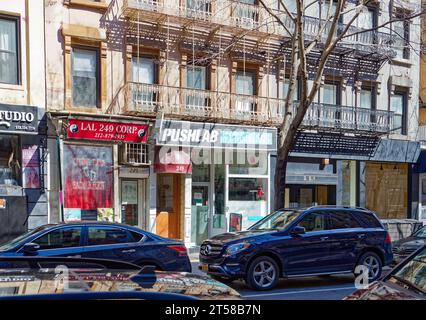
(88, 178)
(236, 221)
(30, 167)
(129, 192)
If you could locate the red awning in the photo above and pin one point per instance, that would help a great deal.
(173, 161)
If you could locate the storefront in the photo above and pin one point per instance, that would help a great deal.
(105, 171)
(22, 146)
(224, 179)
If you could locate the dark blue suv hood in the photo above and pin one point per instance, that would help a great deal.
(232, 236)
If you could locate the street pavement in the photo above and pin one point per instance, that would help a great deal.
(334, 287)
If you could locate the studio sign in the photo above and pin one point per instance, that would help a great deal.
(18, 119)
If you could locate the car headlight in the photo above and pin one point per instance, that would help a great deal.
(235, 248)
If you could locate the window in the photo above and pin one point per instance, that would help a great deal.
(342, 220)
(60, 238)
(144, 72)
(85, 86)
(247, 189)
(136, 237)
(367, 19)
(313, 222)
(331, 93)
(9, 53)
(421, 233)
(284, 87)
(196, 78)
(246, 86)
(398, 106)
(197, 7)
(106, 235)
(10, 168)
(401, 32)
(368, 98)
(369, 220)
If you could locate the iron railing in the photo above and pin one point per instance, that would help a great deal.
(197, 103)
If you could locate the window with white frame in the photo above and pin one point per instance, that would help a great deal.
(85, 78)
(9, 53)
(401, 33)
(399, 107)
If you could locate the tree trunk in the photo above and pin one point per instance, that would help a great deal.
(280, 179)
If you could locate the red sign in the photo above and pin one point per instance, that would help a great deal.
(103, 130)
(172, 161)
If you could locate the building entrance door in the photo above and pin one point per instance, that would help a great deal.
(133, 202)
(169, 206)
(200, 212)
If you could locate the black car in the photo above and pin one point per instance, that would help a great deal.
(404, 247)
(288, 243)
(103, 240)
(407, 281)
(57, 278)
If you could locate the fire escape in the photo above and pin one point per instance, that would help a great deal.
(215, 29)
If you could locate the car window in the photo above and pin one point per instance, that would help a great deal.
(313, 222)
(368, 219)
(421, 233)
(106, 235)
(342, 220)
(60, 238)
(136, 237)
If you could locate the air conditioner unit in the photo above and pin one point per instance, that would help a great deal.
(134, 154)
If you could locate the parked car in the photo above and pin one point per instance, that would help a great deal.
(405, 247)
(101, 240)
(407, 281)
(289, 243)
(38, 278)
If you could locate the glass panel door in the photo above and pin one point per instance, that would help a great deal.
(200, 212)
(143, 72)
(246, 81)
(129, 202)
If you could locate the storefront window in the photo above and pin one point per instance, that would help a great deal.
(249, 163)
(247, 189)
(200, 173)
(9, 160)
(88, 177)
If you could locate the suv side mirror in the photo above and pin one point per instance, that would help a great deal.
(297, 231)
(30, 248)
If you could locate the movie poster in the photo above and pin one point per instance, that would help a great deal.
(88, 179)
(30, 167)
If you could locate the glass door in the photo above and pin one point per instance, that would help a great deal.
(200, 212)
(132, 202)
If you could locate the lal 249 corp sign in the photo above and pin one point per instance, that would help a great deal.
(18, 119)
(104, 130)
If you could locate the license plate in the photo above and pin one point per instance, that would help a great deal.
(205, 267)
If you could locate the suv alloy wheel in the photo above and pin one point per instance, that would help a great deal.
(374, 264)
(263, 274)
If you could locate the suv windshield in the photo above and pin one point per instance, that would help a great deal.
(13, 243)
(276, 221)
(413, 273)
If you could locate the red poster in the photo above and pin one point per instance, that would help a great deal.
(88, 176)
(103, 130)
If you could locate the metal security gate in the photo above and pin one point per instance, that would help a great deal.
(13, 217)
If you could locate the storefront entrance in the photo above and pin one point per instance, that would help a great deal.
(200, 213)
(169, 205)
(133, 202)
(303, 196)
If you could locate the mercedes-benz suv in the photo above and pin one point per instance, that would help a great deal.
(288, 243)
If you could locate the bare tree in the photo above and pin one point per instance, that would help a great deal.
(330, 33)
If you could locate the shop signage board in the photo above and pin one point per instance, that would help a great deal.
(18, 119)
(213, 135)
(107, 131)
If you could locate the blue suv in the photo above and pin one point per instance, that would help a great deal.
(317, 241)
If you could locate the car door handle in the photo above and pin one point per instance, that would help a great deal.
(324, 238)
(128, 251)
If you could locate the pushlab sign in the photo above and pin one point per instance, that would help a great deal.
(104, 130)
(18, 119)
(197, 134)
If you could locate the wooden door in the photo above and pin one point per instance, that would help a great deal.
(322, 195)
(169, 195)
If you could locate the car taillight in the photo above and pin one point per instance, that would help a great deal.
(181, 250)
(388, 239)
